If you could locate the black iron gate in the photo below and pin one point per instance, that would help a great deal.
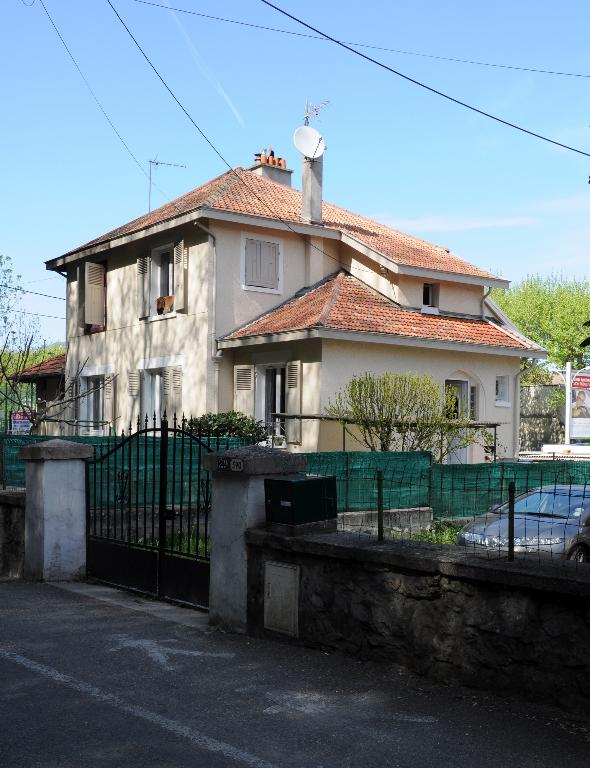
(148, 512)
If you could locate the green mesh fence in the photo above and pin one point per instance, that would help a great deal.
(406, 478)
(12, 468)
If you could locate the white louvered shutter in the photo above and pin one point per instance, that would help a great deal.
(269, 265)
(172, 392)
(179, 298)
(244, 383)
(293, 426)
(143, 286)
(94, 294)
(252, 262)
(134, 380)
(80, 285)
(109, 399)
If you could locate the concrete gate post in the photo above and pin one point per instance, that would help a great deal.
(238, 504)
(55, 511)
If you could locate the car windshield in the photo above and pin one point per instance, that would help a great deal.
(552, 503)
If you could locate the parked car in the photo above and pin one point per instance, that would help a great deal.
(551, 521)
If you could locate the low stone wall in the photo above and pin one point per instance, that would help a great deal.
(12, 534)
(512, 628)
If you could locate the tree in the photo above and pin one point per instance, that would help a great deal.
(404, 412)
(550, 310)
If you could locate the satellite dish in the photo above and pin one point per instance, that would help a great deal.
(309, 142)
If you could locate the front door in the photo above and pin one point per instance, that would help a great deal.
(460, 390)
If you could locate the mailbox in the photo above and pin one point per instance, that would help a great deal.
(299, 499)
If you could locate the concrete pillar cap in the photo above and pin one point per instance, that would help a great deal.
(56, 450)
(254, 460)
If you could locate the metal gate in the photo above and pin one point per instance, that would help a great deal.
(148, 512)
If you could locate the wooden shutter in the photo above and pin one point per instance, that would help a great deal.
(134, 391)
(179, 276)
(172, 392)
(80, 283)
(261, 264)
(94, 294)
(269, 264)
(244, 383)
(143, 286)
(109, 399)
(293, 389)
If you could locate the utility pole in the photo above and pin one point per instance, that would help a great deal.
(153, 162)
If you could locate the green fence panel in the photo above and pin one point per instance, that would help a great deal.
(12, 468)
(406, 477)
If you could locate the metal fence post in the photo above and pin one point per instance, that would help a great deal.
(162, 501)
(379, 505)
(511, 493)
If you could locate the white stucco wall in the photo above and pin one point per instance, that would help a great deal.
(341, 360)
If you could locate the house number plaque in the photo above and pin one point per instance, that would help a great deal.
(229, 465)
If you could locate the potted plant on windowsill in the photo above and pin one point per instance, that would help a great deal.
(164, 305)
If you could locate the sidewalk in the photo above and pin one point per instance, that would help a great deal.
(95, 678)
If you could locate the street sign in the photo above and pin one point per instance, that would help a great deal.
(21, 423)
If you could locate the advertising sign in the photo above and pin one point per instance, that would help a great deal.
(580, 408)
(21, 424)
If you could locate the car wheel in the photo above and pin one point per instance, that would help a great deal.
(579, 554)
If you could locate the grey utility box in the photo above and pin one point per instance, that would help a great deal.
(299, 500)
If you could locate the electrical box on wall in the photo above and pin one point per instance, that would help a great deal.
(281, 598)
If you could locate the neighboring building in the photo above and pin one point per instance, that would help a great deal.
(47, 379)
(233, 296)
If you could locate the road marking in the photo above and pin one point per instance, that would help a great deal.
(159, 653)
(178, 729)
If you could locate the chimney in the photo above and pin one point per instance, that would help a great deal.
(271, 167)
(311, 193)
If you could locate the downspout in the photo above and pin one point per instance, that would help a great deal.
(213, 402)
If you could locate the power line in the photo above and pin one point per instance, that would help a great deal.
(35, 293)
(368, 45)
(214, 148)
(37, 314)
(98, 103)
(423, 85)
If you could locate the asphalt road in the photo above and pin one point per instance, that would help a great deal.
(98, 679)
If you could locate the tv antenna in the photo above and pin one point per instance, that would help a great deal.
(156, 162)
(313, 110)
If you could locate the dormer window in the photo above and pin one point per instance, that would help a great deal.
(428, 297)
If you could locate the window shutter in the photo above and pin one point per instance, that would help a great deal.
(269, 265)
(179, 300)
(94, 294)
(172, 392)
(244, 383)
(293, 426)
(109, 399)
(143, 286)
(134, 392)
(252, 275)
(80, 283)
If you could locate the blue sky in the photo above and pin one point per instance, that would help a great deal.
(505, 201)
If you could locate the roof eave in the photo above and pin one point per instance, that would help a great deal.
(130, 237)
(432, 274)
(378, 338)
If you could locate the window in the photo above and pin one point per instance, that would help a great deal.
(160, 281)
(502, 390)
(429, 295)
(261, 265)
(92, 405)
(152, 394)
(160, 390)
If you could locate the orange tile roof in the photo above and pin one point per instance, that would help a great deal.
(54, 366)
(344, 303)
(243, 192)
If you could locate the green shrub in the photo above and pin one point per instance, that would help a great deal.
(229, 424)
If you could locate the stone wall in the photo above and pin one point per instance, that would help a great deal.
(507, 627)
(12, 534)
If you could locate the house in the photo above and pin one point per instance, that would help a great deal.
(246, 293)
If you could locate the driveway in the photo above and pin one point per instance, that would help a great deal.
(94, 678)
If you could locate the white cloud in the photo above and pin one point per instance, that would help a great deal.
(450, 223)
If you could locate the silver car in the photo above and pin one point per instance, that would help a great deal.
(552, 521)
